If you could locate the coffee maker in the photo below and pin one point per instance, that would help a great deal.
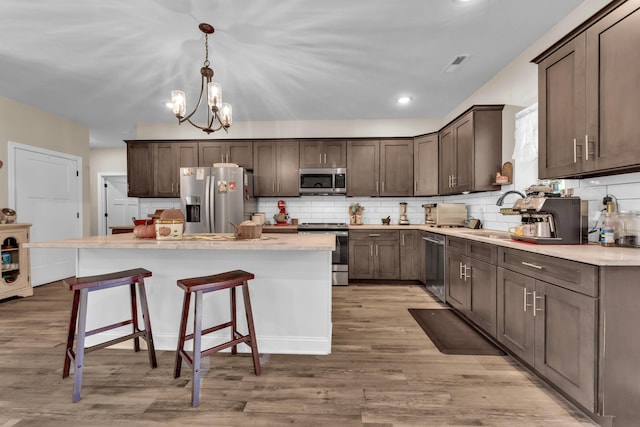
(552, 219)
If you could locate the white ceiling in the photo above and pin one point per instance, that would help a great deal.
(112, 64)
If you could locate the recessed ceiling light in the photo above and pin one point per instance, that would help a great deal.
(404, 100)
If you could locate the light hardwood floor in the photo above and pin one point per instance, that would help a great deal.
(383, 371)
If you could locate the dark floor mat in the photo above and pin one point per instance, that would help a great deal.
(451, 334)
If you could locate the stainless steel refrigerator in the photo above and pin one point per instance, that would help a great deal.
(214, 197)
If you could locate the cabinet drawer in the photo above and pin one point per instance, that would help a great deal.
(482, 251)
(456, 244)
(568, 274)
(374, 235)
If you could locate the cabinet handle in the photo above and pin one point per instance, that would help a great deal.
(454, 180)
(222, 158)
(536, 309)
(374, 235)
(376, 250)
(325, 158)
(575, 155)
(382, 186)
(376, 187)
(278, 187)
(403, 240)
(586, 147)
(415, 187)
(528, 264)
(467, 272)
(371, 251)
(461, 273)
(449, 181)
(524, 298)
(320, 157)
(273, 186)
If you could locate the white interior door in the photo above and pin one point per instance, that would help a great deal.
(47, 195)
(119, 209)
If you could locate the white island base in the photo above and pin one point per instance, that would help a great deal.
(290, 295)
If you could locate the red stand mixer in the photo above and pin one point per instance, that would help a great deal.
(281, 217)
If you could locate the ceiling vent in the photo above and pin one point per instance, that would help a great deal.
(456, 63)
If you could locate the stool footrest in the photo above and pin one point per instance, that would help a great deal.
(209, 330)
(140, 334)
(242, 339)
(108, 328)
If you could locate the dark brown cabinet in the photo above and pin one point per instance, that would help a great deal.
(471, 281)
(139, 169)
(276, 166)
(425, 165)
(153, 168)
(588, 97)
(323, 154)
(374, 255)
(470, 150)
(410, 254)
(168, 158)
(239, 152)
(549, 327)
(363, 160)
(379, 168)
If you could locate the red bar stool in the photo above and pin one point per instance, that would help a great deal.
(199, 286)
(81, 286)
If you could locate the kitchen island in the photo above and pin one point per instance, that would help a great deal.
(290, 295)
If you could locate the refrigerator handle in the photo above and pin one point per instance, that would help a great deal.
(208, 198)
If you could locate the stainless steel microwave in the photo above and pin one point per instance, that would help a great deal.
(323, 181)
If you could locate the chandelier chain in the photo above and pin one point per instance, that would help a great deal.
(206, 50)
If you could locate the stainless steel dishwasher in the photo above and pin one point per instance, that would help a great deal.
(434, 264)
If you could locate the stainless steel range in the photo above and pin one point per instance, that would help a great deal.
(340, 256)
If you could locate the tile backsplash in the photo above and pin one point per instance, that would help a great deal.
(624, 188)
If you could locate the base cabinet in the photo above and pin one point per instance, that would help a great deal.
(550, 328)
(15, 279)
(471, 281)
(374, 255)
(411, 255)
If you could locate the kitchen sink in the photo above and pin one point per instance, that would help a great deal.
(491, 234)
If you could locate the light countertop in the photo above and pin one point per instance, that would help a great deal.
(588, 253)
(279, 242)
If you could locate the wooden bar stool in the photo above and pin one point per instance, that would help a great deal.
(81, 286)
(200, 286)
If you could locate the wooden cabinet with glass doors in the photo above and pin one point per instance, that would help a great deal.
(15, 279)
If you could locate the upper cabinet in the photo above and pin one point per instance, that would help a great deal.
(276, 166)
(139, 169)
(470, 150)
(588, 97)
(168, 158)
(425, 165)
(323, 154)
(379, 168)
(153, 168)
(239, 152)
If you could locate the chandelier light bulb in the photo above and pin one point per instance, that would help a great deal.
(214, 95)
(178, 103)
(226, 113)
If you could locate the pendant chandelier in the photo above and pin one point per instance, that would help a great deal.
(218, 114)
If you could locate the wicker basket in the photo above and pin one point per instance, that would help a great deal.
(245, 232)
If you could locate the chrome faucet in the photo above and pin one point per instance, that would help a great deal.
(501, 198)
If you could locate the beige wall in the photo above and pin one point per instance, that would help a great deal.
(104, 161)
(27, 125)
